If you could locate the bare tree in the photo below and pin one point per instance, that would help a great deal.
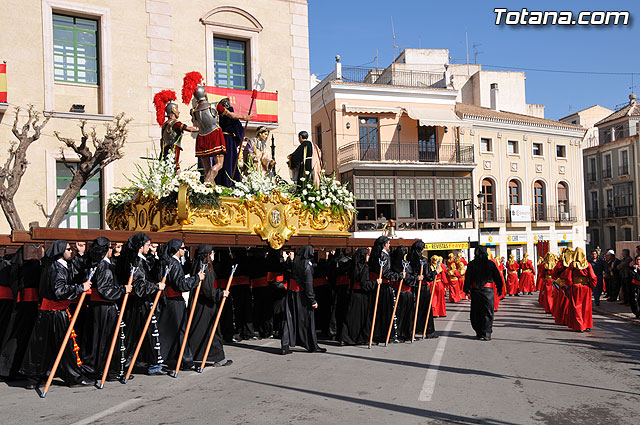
(87, 163)
(13, 170)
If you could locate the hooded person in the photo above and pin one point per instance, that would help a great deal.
(7, 296)
(135, 254)
(174, 315)
(241, 295)
(582, 281)
(512, 276)
(545, 281)
(102, 316)
(299, 328)
(357, 323)
(380, 257)
(438, 285)
(338, 275)
(206, 309)
(527, 275)
(561, 274)
(418, 262)
(403, 320)
(57, 290)
(24, 280)
(481, 279)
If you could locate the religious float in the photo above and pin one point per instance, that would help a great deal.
(159, 200)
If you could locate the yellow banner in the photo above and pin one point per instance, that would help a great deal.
(438, 246)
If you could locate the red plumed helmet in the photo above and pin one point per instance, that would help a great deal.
(160, 101)
(189, 85)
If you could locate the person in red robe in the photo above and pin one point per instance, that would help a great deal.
(500, 265)
(461, 265)
(527, 276)
(438, 306)
(545, 281)
(454, 284)
(512, 276)
(561, 273)
(582, 281)
(496, 296)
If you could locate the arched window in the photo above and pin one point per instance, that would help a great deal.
(514, 193)
(563, 201)
(489, 201)
(538, 201)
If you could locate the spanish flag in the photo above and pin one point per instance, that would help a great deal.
(3, 82)
(265, 108)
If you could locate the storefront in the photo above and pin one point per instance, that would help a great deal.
(444, 248)
(565, 241)
(516, 245)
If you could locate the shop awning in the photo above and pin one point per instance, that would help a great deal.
(357, 109)
(436, 117)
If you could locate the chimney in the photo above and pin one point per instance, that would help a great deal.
(494, 97)
(338, 68)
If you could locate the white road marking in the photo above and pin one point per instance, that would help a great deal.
(429, 384)
(108, 411)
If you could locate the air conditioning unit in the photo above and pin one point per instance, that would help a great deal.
(564, 216)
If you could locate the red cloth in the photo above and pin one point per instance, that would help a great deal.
(454, 287)
(343, 280)
(54, 305)
(579, 314)
(512, 278)
(527, 277)
(259, 282)
(211, 144)
(240, 280)
(293, 285)
(171, 293)
(545, 286)
(28, 295)
(438, 306)
(5, 293)
(275, 277)
(504, 284)
(463, 296)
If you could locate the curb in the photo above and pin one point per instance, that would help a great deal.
(617, 315)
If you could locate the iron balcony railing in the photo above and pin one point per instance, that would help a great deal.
(445, 153)
(388, 76)
(542, 213)
(624, 211)
(566, 214)
(491, 214)
(591, 176)
(606, 173)
(623, 170)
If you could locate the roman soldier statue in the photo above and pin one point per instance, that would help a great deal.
(167, 114)
(210, 143)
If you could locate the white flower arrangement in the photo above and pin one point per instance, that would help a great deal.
(329, 195)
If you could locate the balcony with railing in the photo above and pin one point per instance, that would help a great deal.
(542, 214)
(445, 153)
(591, 176)
(624, 211)
(606, 173)
(393, 77)
(593, 214)
(566, 214)
(490, 214)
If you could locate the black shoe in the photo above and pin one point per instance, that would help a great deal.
(157, 372)
(32, 384)
(221, 363)
(342, 343)
(285, 350)
(83, 383)
(320, 350)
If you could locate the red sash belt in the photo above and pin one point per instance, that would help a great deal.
(241, 280)
(28, 295)
(5, 293)
(275, 277)
(259, 282)
(635, 282)
(319, 281)
(486, 285)
(171, 293)
(96, 297)
(396, 286)
(220, 283)
(343, 280)
(356, 286)
(293, 285)
(54, 305)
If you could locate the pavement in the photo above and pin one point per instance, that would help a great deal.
(616, 309)
(532, 372)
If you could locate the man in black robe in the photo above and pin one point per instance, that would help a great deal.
(418, 262)
(481, 277)
(304, 161)
(25, 279)
(102, 316)
(357, 323)
(386, 300)
(135, 253)
(174, 316)
(299, 326)
(339, 281)
(403, 320)
(57, 291)
(205, 312)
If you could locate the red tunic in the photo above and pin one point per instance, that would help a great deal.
(579, 314)
(512, 277)
(438, 306)
(545, 285)
(527, 277)
(213, 143)
(504, 285)
(454, 286)
(562, 275)
(463, 296)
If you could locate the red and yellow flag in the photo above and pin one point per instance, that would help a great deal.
(265, 108)
(3, 82)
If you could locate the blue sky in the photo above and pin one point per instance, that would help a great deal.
(355, 29)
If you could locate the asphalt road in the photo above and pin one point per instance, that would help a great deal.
(533, 372)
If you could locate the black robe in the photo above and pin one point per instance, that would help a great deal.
(357, 322)
(338, 270)
(6, 304)
(423, 306)
(136, 314)
(302, 159)
(50, 329)
(24, 277)
(101, 321)
(386, 300)
(406, 307)
(481, 273)
(262, 298)
(204, 317)
(242, 297)
(174, 316)
(299, 327)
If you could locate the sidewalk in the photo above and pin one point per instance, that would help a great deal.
(615, 309)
